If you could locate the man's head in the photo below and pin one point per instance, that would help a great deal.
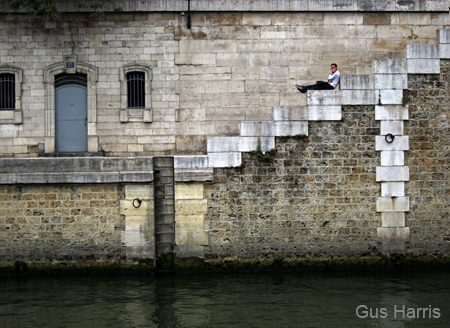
(333, 67)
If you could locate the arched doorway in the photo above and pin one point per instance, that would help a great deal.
(71, 113)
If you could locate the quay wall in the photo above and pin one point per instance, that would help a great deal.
(260, 170)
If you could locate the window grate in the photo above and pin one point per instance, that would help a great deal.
(136, 89)
(7, 92)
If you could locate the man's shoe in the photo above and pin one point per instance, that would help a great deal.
(299, 87)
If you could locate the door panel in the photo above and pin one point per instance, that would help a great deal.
(71, 114)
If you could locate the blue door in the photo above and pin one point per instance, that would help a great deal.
(71, 112)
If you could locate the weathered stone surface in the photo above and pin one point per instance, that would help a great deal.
(397, 234)
(391, 81)
(389, 189)
(392, 204)
(398, 143)
(422, 51)
(239, 144)
(357, 81)
(230, 159)
(395, 128)
(266, 129)
(392, 173)
(324, 113)
(396, 219)
(393, 112)
(392, 158)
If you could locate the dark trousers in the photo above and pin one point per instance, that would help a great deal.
(320, 85)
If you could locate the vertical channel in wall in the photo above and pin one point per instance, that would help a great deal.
(164, 198)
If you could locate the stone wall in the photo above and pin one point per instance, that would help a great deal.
(316, 198)
(235, 66)
(428, 97)
(61, 223)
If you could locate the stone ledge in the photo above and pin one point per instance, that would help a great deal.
(75, 164)
(238, 144)
(341, 97)
(273, 129)
(226, 159)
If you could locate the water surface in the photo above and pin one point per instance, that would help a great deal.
(294, 299)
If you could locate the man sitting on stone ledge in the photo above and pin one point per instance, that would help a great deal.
(333, 81)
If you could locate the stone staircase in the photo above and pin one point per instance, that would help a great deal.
(383, 89)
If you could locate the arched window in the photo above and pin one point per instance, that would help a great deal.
(7, 92)
(10, 95)
(136, 89)
(136, 97)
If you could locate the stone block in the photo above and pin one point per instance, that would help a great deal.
(392, 158)
(238, 144)
(389, 189)
(356, 82)
(191, 206)
(324, 113)
(424, 66)
(225, 159)
(341, 97)
(391, 113)
(135, 238)
(443, 36)
(140, 252)
(143, 208)
(194, 175)
(393, 234)
(190, 233)
(393, 127)
(267, 129)
(444, 51)
(141, 191)
(389, 66)
(392, 204)
(398, 143)
(195, 59)
(298, 113)
(191, 162)
(421, 51)
(136, 176)
(391, 81)
(392, 173)
(139, 223)
(393, 219)
(189, 191)
(391, 97)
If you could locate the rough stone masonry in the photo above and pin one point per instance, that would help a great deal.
(259, 168)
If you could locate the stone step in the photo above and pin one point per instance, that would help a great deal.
(238, 144)
(272, 129)
(443, 36)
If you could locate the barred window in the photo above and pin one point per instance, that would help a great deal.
(7, 92)
(136, 89)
